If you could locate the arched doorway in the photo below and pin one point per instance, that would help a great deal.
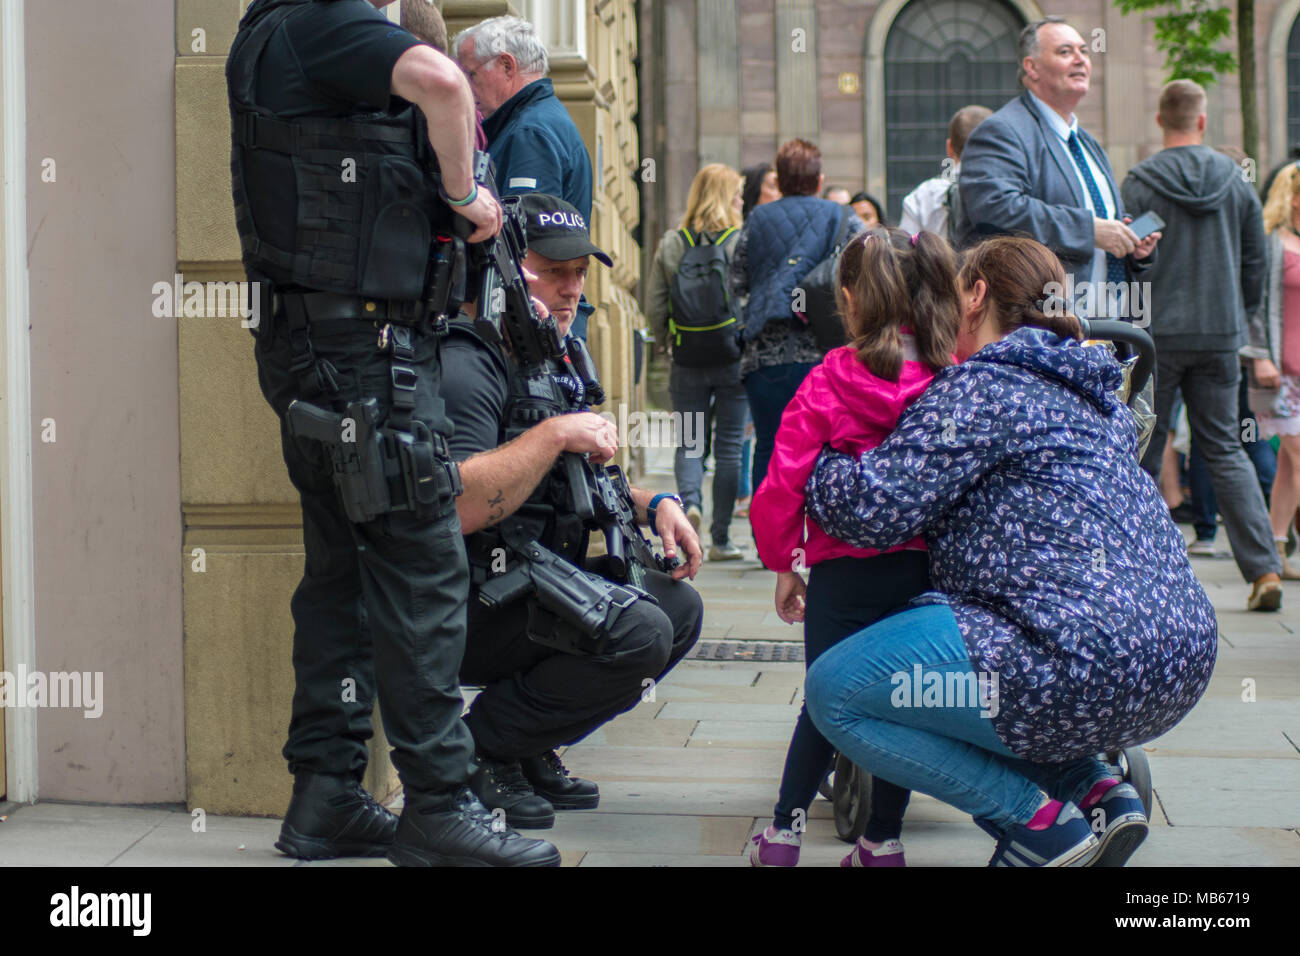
(941, 55)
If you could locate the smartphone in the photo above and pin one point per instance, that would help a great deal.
(1146, 224)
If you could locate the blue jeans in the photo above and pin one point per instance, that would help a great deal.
(1262, 456)
(770, 389)
(865, 697)
(692, 391)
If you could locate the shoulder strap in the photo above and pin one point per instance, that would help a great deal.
(690, 241)
(842, 231)
(259, 24)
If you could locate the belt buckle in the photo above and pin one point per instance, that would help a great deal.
(405, 378)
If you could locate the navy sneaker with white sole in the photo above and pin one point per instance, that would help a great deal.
(1120, 822)
(1069, 841)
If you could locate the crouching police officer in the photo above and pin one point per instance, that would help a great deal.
(549, 683)
(341, 123)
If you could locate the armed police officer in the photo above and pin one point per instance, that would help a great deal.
(351, 162)
(561, 651)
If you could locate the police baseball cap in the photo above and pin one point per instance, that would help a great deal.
(556, 229)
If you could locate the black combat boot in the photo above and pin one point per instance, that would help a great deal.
(501, 784)
(332, 815)
(454, 829)
(550, 779)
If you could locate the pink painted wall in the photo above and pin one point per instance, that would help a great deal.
(107, 491)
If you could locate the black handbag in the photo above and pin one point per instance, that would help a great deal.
(821, 312)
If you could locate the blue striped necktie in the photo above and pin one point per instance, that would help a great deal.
(1114, 267)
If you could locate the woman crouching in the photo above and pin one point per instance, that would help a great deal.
(1065, 621)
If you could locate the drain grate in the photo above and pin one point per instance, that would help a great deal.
(747, 651)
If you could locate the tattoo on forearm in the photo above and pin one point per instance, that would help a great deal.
(496, 507)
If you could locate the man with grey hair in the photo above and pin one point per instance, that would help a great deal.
(1029, 168)
(531, 137)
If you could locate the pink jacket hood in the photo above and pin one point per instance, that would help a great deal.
(841, 404)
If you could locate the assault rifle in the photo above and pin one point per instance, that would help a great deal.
(599, 495)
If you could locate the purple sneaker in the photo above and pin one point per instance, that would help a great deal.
(890, 853)
(775, 847)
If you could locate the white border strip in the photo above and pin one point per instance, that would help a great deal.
(16, 519)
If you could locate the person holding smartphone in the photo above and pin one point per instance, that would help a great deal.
(1208, 280)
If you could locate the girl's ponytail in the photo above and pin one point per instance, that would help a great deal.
(897, 283)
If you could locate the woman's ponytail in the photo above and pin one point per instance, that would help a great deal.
(1023, 278)
(1053, 315)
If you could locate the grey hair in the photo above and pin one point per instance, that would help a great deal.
(1029, 43)
(511, 35)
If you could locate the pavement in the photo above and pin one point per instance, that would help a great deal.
(690, 774)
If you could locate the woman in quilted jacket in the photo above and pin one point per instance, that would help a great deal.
(898, 296)
(1064, 603)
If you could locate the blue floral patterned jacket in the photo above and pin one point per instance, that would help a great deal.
(1054, 549)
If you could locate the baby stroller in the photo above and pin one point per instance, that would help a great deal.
(847, 786)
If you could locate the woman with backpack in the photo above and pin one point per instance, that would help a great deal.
(781, 243)
(690, 309)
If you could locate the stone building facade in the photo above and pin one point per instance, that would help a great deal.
(874, 83)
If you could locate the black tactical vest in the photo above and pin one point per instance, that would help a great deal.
(361, 191)
(546, 514)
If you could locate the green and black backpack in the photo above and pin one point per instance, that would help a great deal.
(702, 322)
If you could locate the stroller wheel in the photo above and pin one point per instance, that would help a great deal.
(1134, 768)
(850, 799)
(1137, 771)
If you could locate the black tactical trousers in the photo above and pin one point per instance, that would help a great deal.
(381, 605)
(538, 698)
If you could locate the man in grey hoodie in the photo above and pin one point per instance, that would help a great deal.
(1209, 277)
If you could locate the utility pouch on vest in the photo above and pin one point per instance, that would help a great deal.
(397, 236)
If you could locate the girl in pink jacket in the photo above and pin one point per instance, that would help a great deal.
(898, 295)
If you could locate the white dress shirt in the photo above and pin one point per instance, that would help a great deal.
(925, 207)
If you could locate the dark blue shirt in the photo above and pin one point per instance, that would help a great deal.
(537, 148)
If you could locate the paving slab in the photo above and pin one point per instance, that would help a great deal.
(642, 733)
(742, 733)
(1218, 846)
(651, 833)
(707, 710)
(713, 674)
(606, 859)
(1232, 726)
(663, 763)
(67, 842)
(220, 846)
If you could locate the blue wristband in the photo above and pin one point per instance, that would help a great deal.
(654, 504)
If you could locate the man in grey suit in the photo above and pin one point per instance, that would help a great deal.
(1030, 169)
